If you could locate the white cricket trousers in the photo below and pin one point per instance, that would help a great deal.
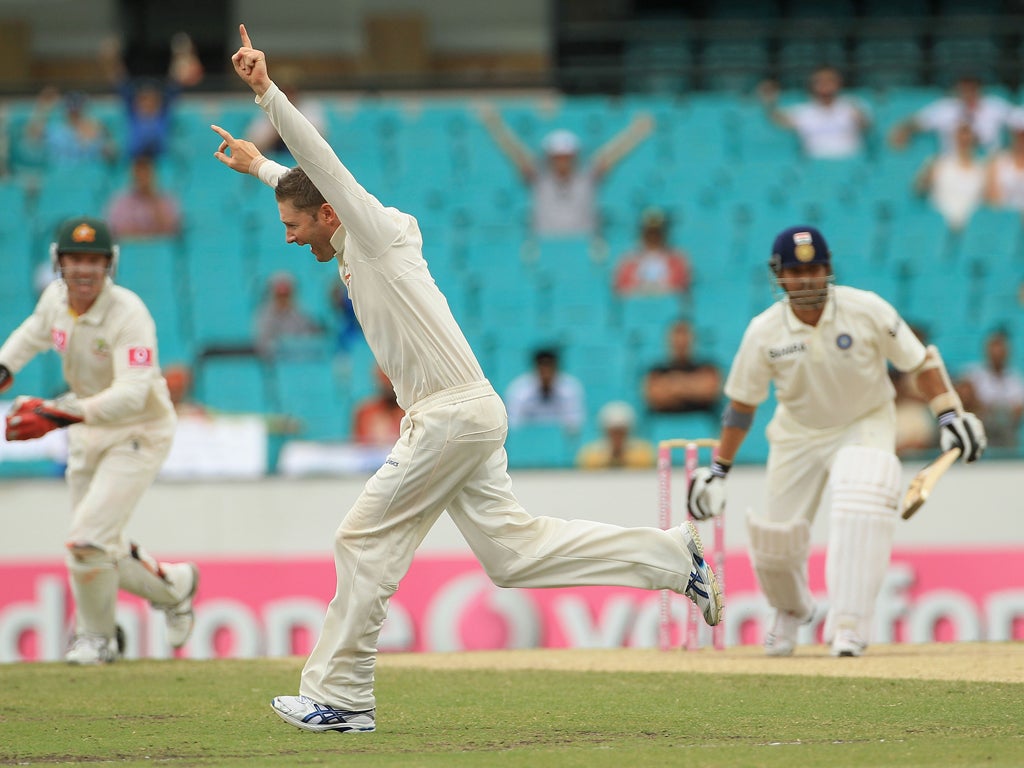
(451, 456)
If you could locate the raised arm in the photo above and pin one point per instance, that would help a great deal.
(620, 145)
(509, 143)
(363, 216)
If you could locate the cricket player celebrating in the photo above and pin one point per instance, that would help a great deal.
(825, 348)
(450, 455)
(120, 425)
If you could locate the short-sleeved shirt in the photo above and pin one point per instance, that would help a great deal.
(831, 374)
(945, 115)
(828, 131)
(565, 207)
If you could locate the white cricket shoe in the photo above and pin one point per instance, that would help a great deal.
(847, 643)
(180, 616)
(781, 638)
(88, 648)
(702, 588)
(304, 713)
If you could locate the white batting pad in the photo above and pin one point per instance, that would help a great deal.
(779, 552)
(140, 575)
(94, 587)
(866, 487)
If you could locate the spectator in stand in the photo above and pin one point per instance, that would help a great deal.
(378, 419)
(954, 182)
(617, 448)
(546, 395)
(682, 384)
(280, 317)
(72, 139)
(142, 209)
(149, 101)
(830, 125)
(998, 391)
(986, 115)
(654, 267)
(564, 189)
(1004, 176)
(261, 131)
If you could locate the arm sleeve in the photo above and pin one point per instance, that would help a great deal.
(364, 218)
(270, 172)
(135, 366)
(30, 338)
(899, 344)
(750, 374)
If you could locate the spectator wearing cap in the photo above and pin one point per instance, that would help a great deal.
(617, 448)
(829, 125)
(1004, 174)
(563, 188)
(653, 268)
(279, 317)
(546, 395)
(142, 209)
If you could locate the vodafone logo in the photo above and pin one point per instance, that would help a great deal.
(60, 339)
(140, 357)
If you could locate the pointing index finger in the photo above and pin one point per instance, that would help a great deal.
(245, 36)
(222, 133)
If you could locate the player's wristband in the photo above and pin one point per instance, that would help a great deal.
(720, 468)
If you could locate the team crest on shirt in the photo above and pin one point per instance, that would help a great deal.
(140, 357)
(60, 339)
(844, 341)
(101, 348)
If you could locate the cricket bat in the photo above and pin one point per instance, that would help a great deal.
(925, 481)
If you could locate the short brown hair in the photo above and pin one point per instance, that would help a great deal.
(295, 187)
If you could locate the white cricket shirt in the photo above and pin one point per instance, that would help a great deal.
(831, 374)
(404, 316)
(109, 354)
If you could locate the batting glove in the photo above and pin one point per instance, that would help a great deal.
(6, 377)
(32, 417)
(706, 495)
(964, 431)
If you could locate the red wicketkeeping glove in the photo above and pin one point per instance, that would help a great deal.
(33, 417)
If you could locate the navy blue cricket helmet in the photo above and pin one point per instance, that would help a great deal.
(798, 245)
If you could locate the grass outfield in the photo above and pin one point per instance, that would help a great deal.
(539, 708)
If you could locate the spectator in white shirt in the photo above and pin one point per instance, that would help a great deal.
(985, 114)
(546, 395)
(829, 125)
(998, 391)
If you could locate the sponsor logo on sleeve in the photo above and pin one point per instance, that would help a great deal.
(60, 339)
(140, 357)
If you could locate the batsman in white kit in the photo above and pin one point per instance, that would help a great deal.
(120, 422)
(825, 348)
(450, 456)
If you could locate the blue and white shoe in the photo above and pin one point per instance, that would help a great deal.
(703, 587)
(304, 713)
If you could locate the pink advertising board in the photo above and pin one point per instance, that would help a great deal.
(273, 607)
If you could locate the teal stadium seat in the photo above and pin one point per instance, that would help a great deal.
(540, 446)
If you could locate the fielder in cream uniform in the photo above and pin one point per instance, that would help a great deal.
(825, 348)
(450, 455)
(120, 426)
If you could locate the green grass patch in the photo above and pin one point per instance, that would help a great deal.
(216, 713)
